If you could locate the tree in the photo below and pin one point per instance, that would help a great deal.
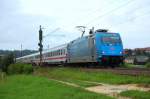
(0, 62)
(6, 61)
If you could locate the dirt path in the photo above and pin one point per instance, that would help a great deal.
(67, 83)
(108, 89)
(114, 90)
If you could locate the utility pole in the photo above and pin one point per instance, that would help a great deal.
(21, 50)
(40, 44)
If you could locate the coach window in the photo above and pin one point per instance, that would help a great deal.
(51, 53)
(48, 54)
(55, 53)
(59, 52)
(63, 51)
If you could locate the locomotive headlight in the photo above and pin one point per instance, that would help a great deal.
(120, 52)
(103, 52)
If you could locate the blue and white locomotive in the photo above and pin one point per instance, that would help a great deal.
(99, 47)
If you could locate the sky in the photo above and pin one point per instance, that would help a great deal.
(20, 21)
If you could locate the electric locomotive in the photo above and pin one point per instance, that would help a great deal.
(100, 47)
(109, 47)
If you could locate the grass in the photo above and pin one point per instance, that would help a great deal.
(2, 76)
(134, 94)
(76, 74)
(128, 65)
(33, 87)
(147, 65)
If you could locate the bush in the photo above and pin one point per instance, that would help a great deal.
(127, 65)
(27, 69)
(148, 65)
(6, 61)
(20, 68)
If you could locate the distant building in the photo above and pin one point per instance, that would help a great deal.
(129, 60)
(147, 50)
(137, 54)
(143, 50)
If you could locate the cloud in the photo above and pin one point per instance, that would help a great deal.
(20, 20)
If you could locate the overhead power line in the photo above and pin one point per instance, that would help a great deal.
(55, 30)
(134, 18)
(109, 12)
(90, 12)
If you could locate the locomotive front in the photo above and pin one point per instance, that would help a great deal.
(109, 48)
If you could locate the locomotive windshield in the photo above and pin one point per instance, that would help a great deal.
(111, 39)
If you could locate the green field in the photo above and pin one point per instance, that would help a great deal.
(40, 84)
(134, 94)
(78, 75)
(31, 87)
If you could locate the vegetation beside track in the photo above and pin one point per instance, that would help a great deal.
(39, 85)
(19, 68)
(134, 94)
(32, 87)
(147, 65)
(77, 74)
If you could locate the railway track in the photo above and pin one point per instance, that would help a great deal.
(136, 71)
(122, 71)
